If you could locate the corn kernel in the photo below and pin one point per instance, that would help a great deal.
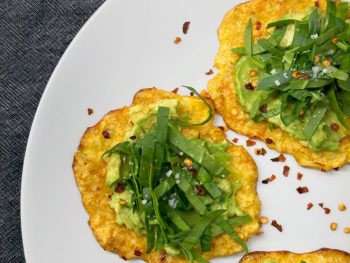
(326, 63)
(334, 226)
(335, 40)
(316, 59)
(296, 74)
(264, 220)
(347, 230)
(188, 162)
(252, 73)
(255, 83)
(341, 207)
(122, 202)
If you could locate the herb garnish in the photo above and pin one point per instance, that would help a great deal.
(173, 181)
(308, 73)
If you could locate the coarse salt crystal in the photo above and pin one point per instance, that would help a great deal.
(168, 173)
(314, 36)
(273, 71)
(144, 201)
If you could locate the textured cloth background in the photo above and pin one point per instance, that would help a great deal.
(33, 37)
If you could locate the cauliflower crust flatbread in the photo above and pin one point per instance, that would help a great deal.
(323, 255)
(222, 87)
(90, 174)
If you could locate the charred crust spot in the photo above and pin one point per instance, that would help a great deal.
(120, 188)
(317, 3)
(249, 86)
(200, 190)
(175, 90)
(334, 127)
(268, 141)
(133, 137)
(124, 257)
(302, 189)
(263, 108)
(185, 27)
(222, 128)
(258, 25)
(276, 225)
(106, 135)
(137, 253)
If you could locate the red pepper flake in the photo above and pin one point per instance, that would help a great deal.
(90, 111)
(133, 137)
(120, 188)
(309, 206)
(320, 205)
(268, 141)
(175, 90)
(260, 151)
(250, 143)
(177, 40)
(200, 190)
(106, 135)
(265, 181)
(302, 189)
(185, 27)
(257, 25)
(137, 253)
(276, 225)
(280, 158)
(317, 3)
(336, 168)
(299, 176)
(273, 177)
(235, 140)
(209, 72)
(222, 128)
(263, 108)
(326, 210)
(249, 86)
(334, 127)
(286, 170)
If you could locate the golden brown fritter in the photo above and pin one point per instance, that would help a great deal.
(324, 255)
(222, 87)
(90, 174)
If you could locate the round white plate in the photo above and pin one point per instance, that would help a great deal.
(126, 46)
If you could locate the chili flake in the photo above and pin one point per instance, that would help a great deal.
(185, 27)
(250, 143)
(299, 176)
(309, 206)
(90, 111)
(260, 151)
(302, 189)
(286, 170)
(276, 225)
(209, 72)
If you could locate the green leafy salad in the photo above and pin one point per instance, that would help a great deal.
(298, 78)
(170, 188)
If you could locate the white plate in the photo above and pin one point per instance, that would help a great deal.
(125, 46)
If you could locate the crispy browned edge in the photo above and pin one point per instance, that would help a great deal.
(127, 246)
(325, 160)
(323, 251)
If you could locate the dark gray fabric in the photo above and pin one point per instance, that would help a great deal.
(33, 36)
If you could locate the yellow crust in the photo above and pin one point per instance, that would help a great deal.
(89, 170)
(222, 87)
(323, 255)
